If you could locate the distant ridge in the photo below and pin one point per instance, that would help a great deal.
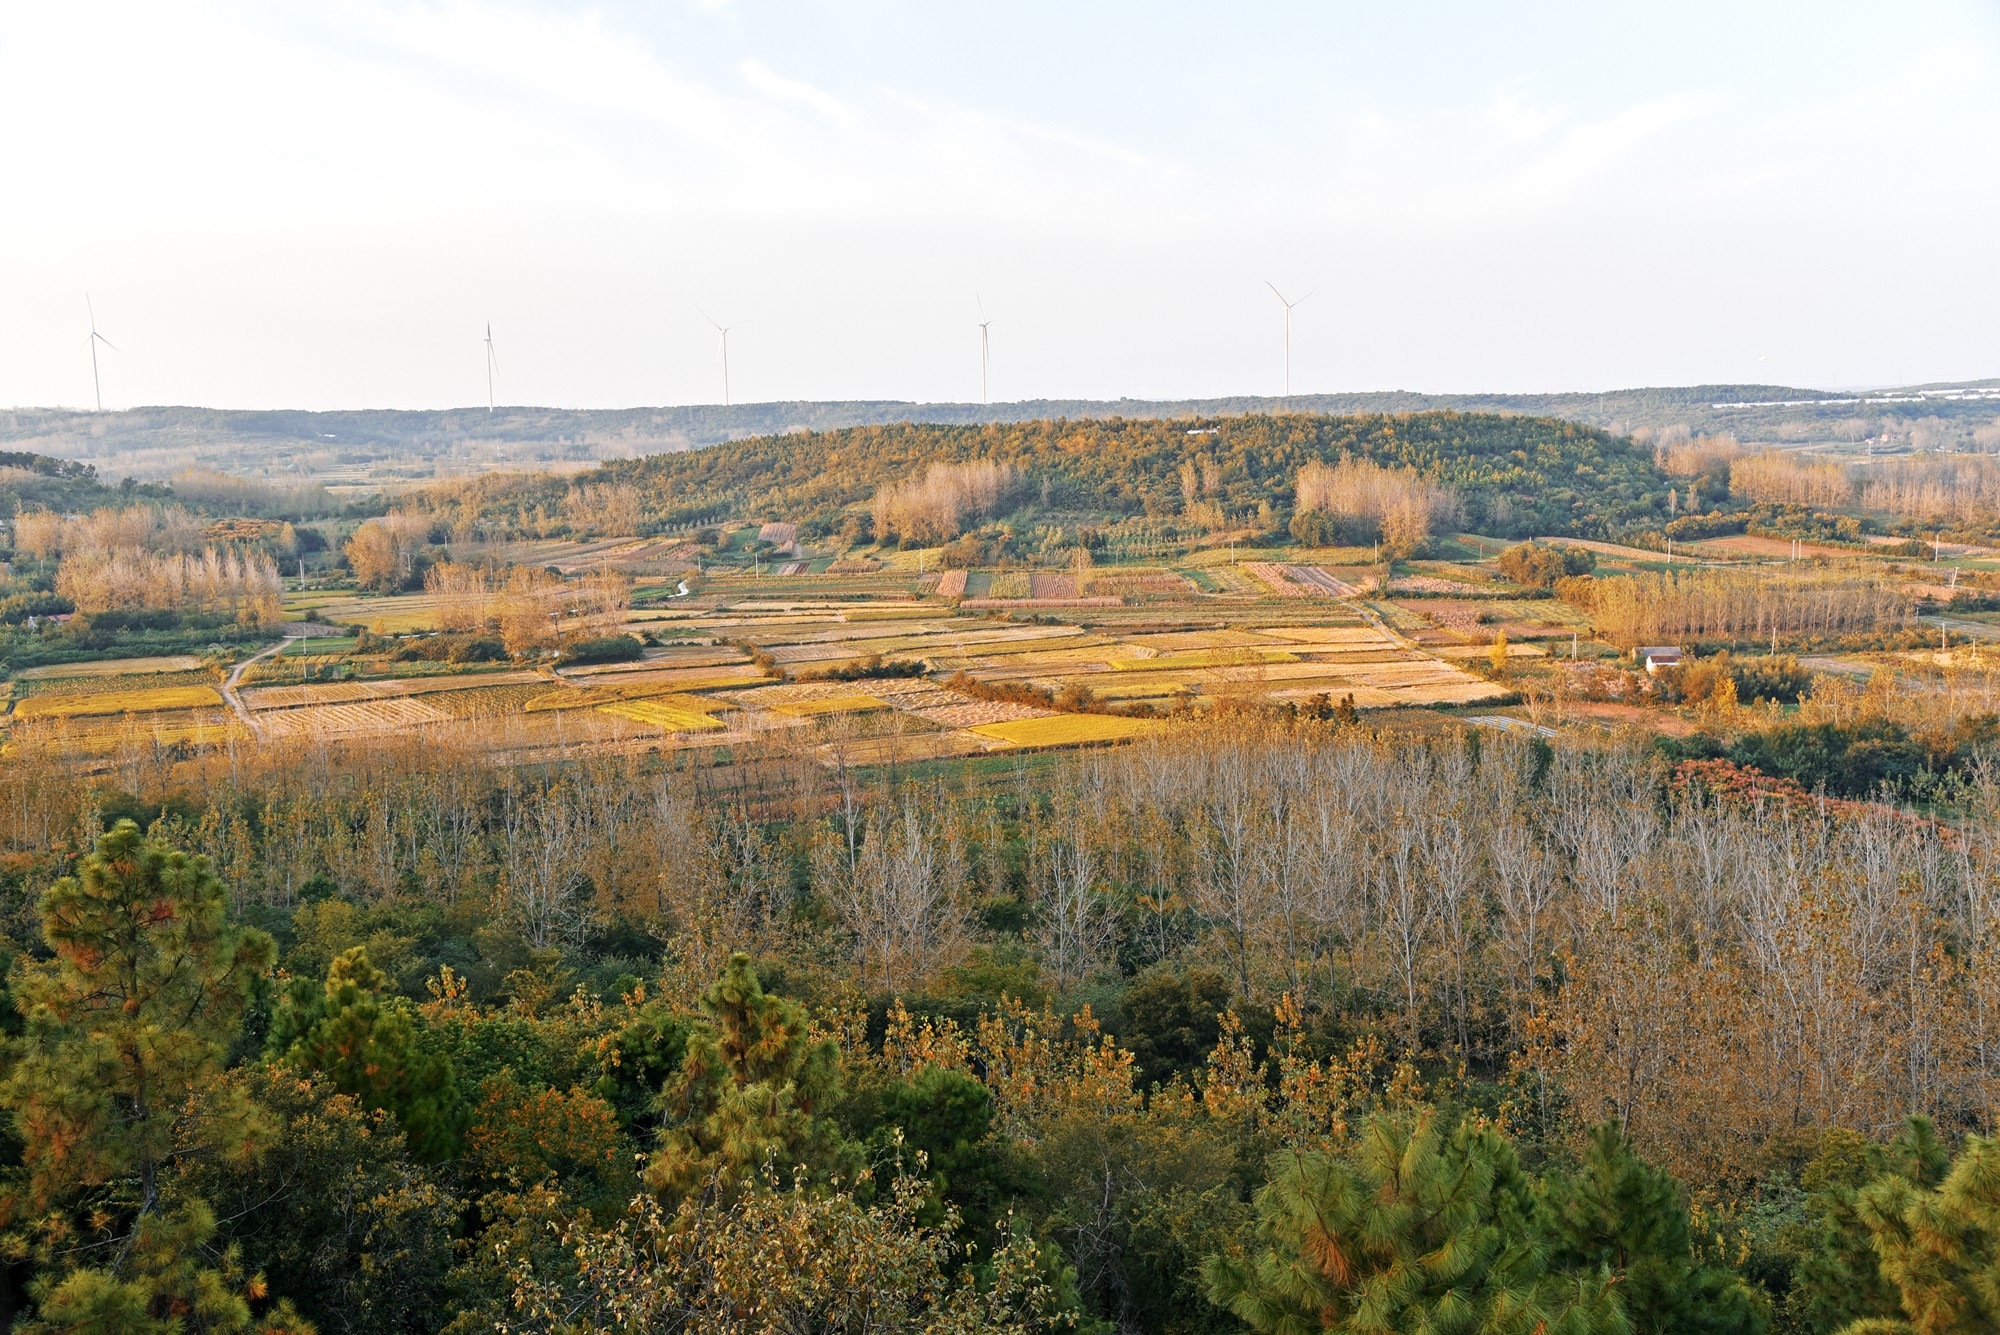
(152, 441)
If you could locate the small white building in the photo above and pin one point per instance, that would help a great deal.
(1658, 656)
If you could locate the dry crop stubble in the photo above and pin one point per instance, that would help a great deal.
(1066, 730)
(117, 702)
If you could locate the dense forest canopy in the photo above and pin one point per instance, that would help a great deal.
(1515, 476)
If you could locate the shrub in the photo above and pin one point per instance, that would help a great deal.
(1540, 566)
(609, 649)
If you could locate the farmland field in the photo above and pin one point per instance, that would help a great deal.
(359, 718)
(674, 713)
(1066, 730)
(833, 704)
(870, 656)
(117, 702)
(111, 667)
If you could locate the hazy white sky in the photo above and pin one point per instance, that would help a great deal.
(319, 204)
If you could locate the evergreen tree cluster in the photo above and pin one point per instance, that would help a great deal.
(197, 1143)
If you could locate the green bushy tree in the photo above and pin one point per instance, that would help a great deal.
(1415, 1230)
(115, 1077)
(1621, 1214)
(1839, 1278)
(364, 1040)
(749, 1094)
(1939, 1247)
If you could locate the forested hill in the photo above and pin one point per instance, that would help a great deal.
(37, 482)
(1515, 475)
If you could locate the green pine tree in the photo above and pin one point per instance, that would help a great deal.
(1839, 1280)
(1621, 1214)
(1414, 1231)
(365, 1042)
(1940, 1247)
(114, 1076)
(747, 1093)
(638, 1060)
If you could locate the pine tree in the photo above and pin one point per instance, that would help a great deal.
(365, 1042)
(1413, 1231)
(1940, 1247)
(1621, 1214)
(114, 1076)
(1840, 1280)
(638, 1059)
(746, 1093)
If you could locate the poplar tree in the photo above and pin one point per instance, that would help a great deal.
(114, 1077)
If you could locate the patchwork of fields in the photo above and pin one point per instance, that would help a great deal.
(889, 661)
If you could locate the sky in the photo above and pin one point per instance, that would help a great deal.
(313, 205)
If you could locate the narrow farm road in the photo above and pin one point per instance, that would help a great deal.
(235, 677)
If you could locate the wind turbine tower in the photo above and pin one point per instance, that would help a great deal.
(722, 333)
(1288, 305)
(984, 350)
(492, 365)
(96, 385)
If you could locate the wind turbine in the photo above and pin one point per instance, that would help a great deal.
(722, 331)
(984, 350)
(1288, 328)
(492, 365)
(95, 339)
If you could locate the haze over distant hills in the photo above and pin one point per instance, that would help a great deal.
(381, 444)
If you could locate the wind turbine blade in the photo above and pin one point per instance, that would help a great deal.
(1302, 300)
(712, 320)
(105, 341)
(1274, 291)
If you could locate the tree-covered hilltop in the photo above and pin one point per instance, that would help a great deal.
(38, 482)
(1515, 476)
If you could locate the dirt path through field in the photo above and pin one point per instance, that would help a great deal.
(235, 678)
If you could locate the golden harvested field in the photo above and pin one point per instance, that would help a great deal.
(1179, 641)
(485, 701)
(902, 748)
(1066, 730)
(1156, 689)
(1278, 579)
(134, 681)
(111, 667)
(695, 657)
(396, 614)
(103, 735)
(342, 692)
(673, 713)
(1744, 544)
(1204, 658)
(684, 678)
(1356, 634)
(1135, 583)
(348, 720)
(117, 702)
(949, 709)
(1471, 652)
(833, 704)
